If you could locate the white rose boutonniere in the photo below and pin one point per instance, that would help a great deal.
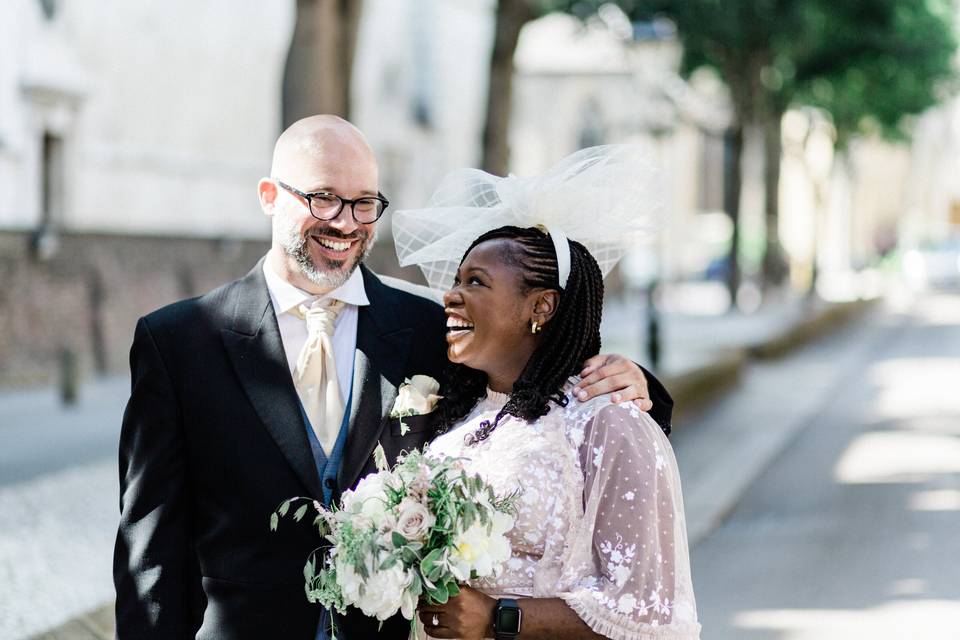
(415, 397)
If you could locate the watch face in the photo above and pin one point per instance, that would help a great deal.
(509, 620)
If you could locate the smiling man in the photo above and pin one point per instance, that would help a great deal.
(273, 386)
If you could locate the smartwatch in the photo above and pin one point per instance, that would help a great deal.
(506, 619)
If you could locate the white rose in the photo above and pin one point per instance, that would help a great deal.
(368, 499)
(381, 595)
(349, 580)
(414, 521)
(426, 385)
(476, 550)
(417, 397)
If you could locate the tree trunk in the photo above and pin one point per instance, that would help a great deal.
(511, 15)
(316, 78)
(775, 267)
(732, 179)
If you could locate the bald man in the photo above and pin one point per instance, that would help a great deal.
(219, 428)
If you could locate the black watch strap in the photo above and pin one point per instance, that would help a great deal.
(506, 619)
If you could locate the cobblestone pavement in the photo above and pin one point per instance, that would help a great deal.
(56, 547)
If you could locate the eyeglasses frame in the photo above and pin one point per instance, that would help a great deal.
(343, 202)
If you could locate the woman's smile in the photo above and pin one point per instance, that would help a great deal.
(458, 327)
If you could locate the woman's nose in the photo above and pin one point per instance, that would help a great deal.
(452, 298)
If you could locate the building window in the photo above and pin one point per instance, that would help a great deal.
(51, 203)
(49, 8)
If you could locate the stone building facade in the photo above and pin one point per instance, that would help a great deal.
(132, 136)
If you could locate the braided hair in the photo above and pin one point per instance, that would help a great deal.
(571, 336)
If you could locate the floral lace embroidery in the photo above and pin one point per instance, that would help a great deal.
(600, 518)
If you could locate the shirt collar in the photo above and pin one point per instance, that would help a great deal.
(285, 296)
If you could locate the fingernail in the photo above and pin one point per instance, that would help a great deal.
(616, 398)
(582, 395)
(576, 390)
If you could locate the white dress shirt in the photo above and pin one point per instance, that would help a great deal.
(293, 330)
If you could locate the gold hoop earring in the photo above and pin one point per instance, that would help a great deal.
(535, 327)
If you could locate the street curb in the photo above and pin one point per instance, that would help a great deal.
(691, 390)
(93, 625)
(697, 387)
(817, 324)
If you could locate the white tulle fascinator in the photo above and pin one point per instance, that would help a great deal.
(606, 198)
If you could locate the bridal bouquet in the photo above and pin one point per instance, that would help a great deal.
(415, 530)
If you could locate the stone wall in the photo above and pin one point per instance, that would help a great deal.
(88, 296)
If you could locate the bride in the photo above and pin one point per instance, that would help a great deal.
(599, 546)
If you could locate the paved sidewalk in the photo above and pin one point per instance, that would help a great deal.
(59, 511)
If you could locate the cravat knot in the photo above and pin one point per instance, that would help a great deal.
(322, 318)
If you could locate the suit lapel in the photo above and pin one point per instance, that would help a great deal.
(383, 344)
(256, 351)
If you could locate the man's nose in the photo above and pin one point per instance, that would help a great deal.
(344, 221)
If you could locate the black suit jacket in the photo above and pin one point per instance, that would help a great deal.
(213, 440)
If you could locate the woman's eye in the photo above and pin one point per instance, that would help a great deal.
(474, 280)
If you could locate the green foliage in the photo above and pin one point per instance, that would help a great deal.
(870, 61)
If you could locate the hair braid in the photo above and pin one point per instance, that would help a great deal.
(571, 336)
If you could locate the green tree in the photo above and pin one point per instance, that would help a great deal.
(867, 63)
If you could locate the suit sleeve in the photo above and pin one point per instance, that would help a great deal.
(662, 411)
(154, 567)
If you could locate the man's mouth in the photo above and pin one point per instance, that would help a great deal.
(334, 248)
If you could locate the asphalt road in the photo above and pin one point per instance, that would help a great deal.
(853, 530)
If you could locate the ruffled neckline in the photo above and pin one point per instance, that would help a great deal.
(497, 398)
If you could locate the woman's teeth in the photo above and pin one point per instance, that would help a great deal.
(456, 324)
(335, 246)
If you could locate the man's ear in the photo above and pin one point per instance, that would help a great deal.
(545, 305)
(267, 192)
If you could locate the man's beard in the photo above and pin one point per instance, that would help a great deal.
(329, 274)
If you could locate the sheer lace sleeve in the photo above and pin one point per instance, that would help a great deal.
(627, 568)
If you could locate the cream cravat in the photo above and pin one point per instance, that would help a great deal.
(316, 374)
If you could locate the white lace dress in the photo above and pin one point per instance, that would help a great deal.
(600, 520)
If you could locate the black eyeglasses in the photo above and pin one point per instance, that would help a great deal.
(324, 205)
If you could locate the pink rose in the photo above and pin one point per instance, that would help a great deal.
(414, 521)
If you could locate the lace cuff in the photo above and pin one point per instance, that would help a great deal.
(618, 626)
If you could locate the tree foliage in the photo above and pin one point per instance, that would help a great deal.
(867, 63)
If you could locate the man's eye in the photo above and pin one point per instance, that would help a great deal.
(474, 280)
(326, 199)
(366, 205)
